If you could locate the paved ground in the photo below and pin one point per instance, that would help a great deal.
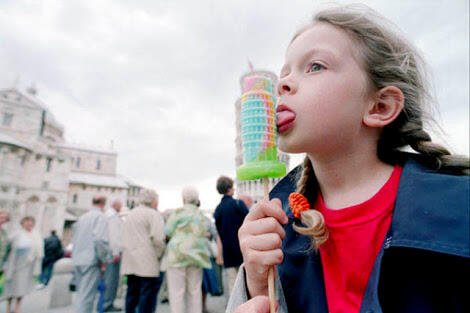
(38, 302)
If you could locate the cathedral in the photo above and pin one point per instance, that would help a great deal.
(43, 176)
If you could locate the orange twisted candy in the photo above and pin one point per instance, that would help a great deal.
(298, 203)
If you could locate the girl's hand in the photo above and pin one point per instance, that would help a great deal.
(260, 239)
(258, 304)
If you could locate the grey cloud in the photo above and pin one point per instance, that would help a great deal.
(160, 78)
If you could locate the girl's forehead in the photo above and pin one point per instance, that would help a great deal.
(320, 37)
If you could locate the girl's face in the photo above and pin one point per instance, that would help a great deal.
(322, 93)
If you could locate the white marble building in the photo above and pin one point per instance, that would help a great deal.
(93, 171)
(33, 172)
(133, 194)
(43, 176)
(254, 188)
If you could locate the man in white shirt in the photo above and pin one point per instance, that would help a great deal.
(90, 253)
(111, 276)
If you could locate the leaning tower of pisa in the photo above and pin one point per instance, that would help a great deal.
(254, 188)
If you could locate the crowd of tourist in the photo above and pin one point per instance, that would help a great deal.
(180, 252)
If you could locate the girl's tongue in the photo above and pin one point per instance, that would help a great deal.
(284, 117)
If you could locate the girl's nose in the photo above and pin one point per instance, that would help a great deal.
(286, 86)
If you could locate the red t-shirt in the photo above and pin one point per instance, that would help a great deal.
(356, 235)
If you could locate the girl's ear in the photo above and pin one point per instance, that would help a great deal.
(388, 103)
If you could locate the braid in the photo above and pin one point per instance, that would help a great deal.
(313, 220)
(307, 179)
(408, 130)
(420, 141)
(439, 157)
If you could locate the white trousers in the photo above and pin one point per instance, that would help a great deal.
(184, 286)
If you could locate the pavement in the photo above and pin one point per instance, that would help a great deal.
(38, 302)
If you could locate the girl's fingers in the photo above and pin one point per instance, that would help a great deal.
(262, 242)
(260, 239)
(266, 208)
(261, 226)
(259, 304)
(260, 261)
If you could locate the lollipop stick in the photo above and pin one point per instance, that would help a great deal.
(266, 188)
(271, 292)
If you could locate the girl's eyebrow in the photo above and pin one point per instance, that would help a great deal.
(319, 51)
(285, 70)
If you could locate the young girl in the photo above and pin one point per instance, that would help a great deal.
(388, 231)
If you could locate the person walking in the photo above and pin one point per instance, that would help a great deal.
(187, 254)
(143, 243)
(111, 275)
(90, 253)
(210, 283)
(53, 251)
(25, 255)
(4, 242)
(229, 216)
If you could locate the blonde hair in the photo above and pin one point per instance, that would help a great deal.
(388, 59)
(27, 218)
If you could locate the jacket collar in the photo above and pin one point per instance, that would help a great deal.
(431, 209)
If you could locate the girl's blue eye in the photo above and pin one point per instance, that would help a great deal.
(316, 67)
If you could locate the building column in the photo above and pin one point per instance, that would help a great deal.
(40, 218)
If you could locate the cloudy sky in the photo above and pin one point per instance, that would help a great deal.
(160, 78)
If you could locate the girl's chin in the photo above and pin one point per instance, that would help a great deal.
(288, 145)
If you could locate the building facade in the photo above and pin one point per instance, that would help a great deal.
(253, 188)
(92, 172)
(34, 174)
(43, 176)
(133, 193)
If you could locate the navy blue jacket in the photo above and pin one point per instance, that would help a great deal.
(423, 265)
(229, 216)
(53, 250)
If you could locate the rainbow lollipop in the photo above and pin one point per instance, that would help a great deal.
(258, 125)
(259, 136)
